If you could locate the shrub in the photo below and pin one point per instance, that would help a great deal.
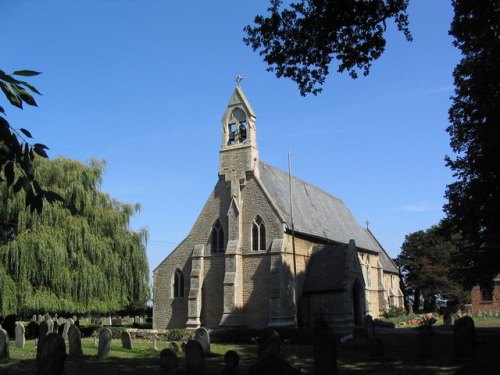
(394, 312)
(178, 334)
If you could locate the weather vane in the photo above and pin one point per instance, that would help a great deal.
(238, 79)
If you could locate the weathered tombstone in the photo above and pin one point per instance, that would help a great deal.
(174, 347)
(50, 326)
(117, 322)
(75, 342)
(39, 319)
(231, 361)
(168, 360)
(369, 327)
(33, 318)
(32, 330)
(126, 340)
(377, 348)
(61, 321)
(195, 357)
(20, 338)
(52, 355)
(360, 337)
(447, 318)
(104, 343)
(269, 344)
(201, 335)
(464, 338)
(325, 350)
(47, 316)
(4, 344)
(68, 324)
(424, 342)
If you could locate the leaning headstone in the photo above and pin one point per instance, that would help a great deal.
(195, 357)
(269, 343)
(174, 347)
(168, 360)
(369, 327)
(20, 338)
(104, 343)
(52, 355)
(325, 350)
(75, 341)
(4, 344)
(201, 335)
(464, 338)
(68, 324)
(126, 340)
(231, 362)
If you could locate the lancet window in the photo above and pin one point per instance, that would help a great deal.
(217, 238)
(258, 234)
(178, 284)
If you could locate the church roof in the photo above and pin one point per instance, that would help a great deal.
(319, 214)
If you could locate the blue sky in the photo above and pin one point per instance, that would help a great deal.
(143, 85)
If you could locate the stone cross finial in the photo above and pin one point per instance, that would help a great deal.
(238, 79)
(367, 224)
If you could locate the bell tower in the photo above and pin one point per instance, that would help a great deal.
(238, 152)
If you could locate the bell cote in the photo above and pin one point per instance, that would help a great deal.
(238, 152)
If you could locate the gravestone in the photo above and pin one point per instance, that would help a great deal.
(201, 335)
(174, 347)
(4, 344)
(39, 319)
(47, 316)
(464, 338)
(377, 348)
(369, 327)
(126, 340)
(195, 357)
(52, 355)
(231, 361)
(75, 341)
(20, 338)
(410, 308)
(33, 318)
(104, 343)
(168, 360)
(269, 343)
(32, 330)
(50, 326)
(68, 324)
(325, 350)
(55, 326)
(43, 331)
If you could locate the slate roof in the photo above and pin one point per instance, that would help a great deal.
(317, 213)
(326, 269)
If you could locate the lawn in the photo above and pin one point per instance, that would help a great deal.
(400, 356)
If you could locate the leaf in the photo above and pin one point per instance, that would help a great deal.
(11, 96)
(40, 150)
(31, 87)
(1, 110)
(52, 196)
(26, 132)
(19, 184)
(9, 172)
(26, 73)
(24, 95)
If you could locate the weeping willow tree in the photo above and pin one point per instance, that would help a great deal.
(77, 256)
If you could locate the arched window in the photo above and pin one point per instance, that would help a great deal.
(368, 276)
(258, 234)
(178, 285)
(217, 238)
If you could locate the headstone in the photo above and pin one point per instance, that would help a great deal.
(50, 326)
(104, 343)
(32, 330)
(410, 308)
(195, 357)
(231, 361)
(55, 326)
(61, 321)
(116, 322)
(39, 318)
(75, 341)
(325, 350)
(269, 343)
(168, 360)
(377, 349)
(4, 344)
(20, 338)
(126, 340)
(369, 327)
(47, 316)
(75, 318)
(201, 335)
(43, 331)
(174, 347)
(464, 338)
(68, 324)
(33, 318)
(52, 355)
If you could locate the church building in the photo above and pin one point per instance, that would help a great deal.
(258, 256)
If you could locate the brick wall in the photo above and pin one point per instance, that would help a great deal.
(485, 306)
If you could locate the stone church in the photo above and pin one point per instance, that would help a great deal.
(258, 256)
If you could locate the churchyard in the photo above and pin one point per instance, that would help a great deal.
(379, 350)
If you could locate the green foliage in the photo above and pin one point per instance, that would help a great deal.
(17, 155)
(474, 198)
(178, 334)
(300, 42)
(74, 256)
(394, 311)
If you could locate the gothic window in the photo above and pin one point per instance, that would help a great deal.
(258, 234)
(486, 295)
(217, 238)
(178, 284)
(368, 281)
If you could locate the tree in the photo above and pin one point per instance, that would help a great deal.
(78, 255)
(300, 42)
(473, 208)
(17, 155)
(426, 267)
